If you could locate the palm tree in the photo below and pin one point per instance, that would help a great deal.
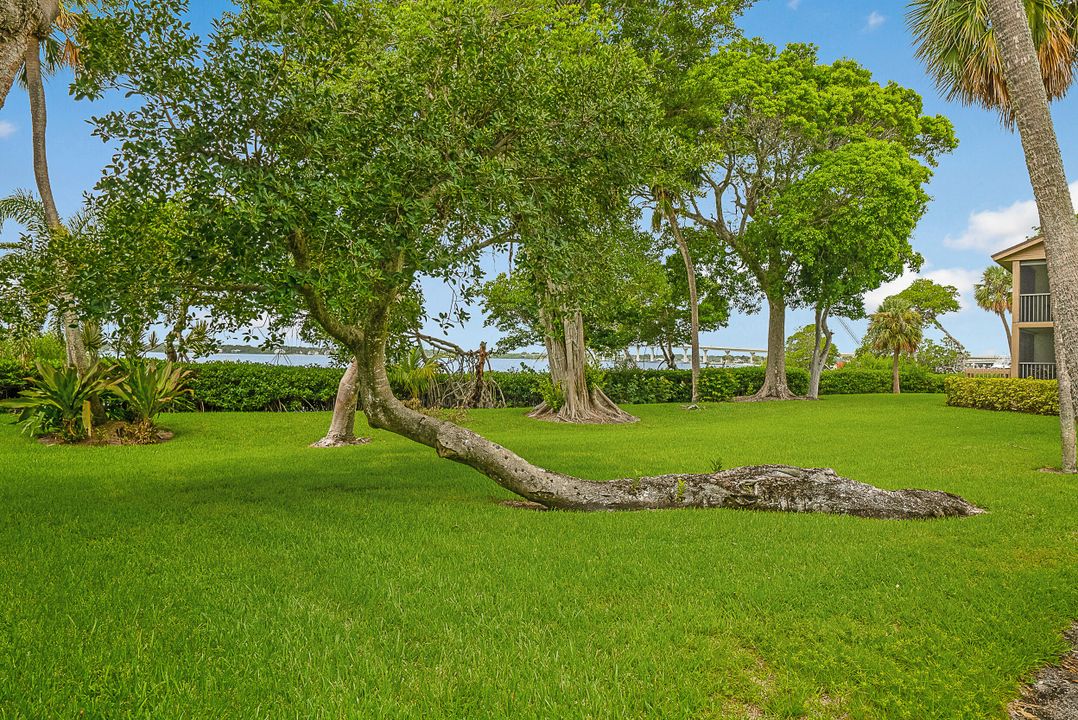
(993, 294)
(895, 329)
(24, 22)
(1013, 56)
(961, 49)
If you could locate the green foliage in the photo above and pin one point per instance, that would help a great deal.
(59, 400)
(859, 382)
(929, 299)
(895, 329)
(414, 373)
(149, 387)
(1039, 397)
(946, 356)
(801, 345)
(227, 386)
(551, 393)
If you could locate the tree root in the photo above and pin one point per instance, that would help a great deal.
(330, 441)
(780, 488)
(600, 411)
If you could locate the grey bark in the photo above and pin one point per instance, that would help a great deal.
(35, 89)
(342, 426)
(820, 351)
(1059, 227)
(1006, 328)
(694, 302)
(567, 359)
(21, 22)
(1066, 421)
(775, 385)
(896, 376)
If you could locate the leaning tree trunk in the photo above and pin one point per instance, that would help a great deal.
(694, 302)
(820, 350)
(35, 88)
(342, 427)
(1029, 103)
(775, 385)
(21, 23)
(765, 487)
(567, 358)
(1006, 327)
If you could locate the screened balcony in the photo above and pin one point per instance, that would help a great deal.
(1037, 353)
(1035, 302)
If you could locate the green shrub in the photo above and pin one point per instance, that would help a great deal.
(13, 377)
(58, 400)
(862, 382)
(247, 387)
(148, 387)
(1039, 397)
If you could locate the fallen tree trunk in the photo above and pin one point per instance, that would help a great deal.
(765, 487)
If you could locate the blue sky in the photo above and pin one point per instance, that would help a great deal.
(982, 199)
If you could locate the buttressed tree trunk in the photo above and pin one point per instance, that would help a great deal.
(775, 386)
(765, 487)
(568, 361)
(342, 427)
(21, 23)
(1029, 102)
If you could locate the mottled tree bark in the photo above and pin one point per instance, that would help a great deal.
(694, 302)
(1066, 421)
(567, 357)
(820, 351)
(1059, 227)
(896, 375)
(342, 426)
(775, 385)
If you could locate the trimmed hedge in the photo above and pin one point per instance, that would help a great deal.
(1039, 397)
(863, 382)
(253, 387)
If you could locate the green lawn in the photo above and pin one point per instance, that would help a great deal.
(236, 573)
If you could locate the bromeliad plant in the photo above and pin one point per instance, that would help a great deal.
(148, 387)
(60, 401)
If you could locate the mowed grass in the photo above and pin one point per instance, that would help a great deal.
(236, 573)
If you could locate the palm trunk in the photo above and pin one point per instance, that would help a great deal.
(12, 52)
(1066, 422)
(694, 303)
(896, 377)
(1059, 227)
(567, 359)
(1006, 328)
(35, 88)
(819, 352)
(775, 385)
(342, 427)
(949, 336)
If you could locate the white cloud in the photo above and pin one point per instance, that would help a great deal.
(875, 19)
(793, 4)
(962, 278)
(6, 129)
(989, 231)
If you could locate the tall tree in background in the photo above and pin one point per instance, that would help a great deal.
(23, 25)
(994, 294)
(931, 300)
(1016, 56)
(770, 119)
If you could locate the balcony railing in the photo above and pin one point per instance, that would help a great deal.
(1037, 371)
(1036, 307)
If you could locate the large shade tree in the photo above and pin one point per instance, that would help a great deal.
(771, 118)
(332, 152)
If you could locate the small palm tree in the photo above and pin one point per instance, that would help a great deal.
(993, 294)
(896, 329)
(960, 48)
